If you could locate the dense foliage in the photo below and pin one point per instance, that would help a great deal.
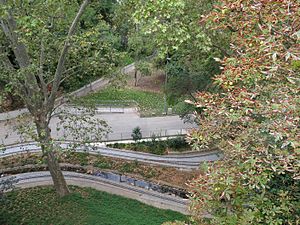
(254, 118)
(41, 47)
(185, 50)
(42, 29)
(156, 146)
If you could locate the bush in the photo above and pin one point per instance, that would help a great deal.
(156, 146)
(136, 134)
(83, 158)
(177, 143)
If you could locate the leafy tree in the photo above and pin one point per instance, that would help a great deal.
(184, 79)
(173, 25)
(122, 21)
(185, 49)
(33, 35)
(254, 118)
(166, 22)
(145, 69)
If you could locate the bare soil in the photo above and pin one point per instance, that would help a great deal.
(153, 83)
(159, 174)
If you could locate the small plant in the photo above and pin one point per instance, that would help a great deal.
(103, 164)
(136, 134)
(81, 158)
(148, 173)
(129, 167)
(177, 143)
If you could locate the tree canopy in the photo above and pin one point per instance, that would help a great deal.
(42, 45)
(254, 118)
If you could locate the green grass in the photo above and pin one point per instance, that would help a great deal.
(84, 206)
(149, 103)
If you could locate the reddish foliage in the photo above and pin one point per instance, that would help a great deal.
(254, 118)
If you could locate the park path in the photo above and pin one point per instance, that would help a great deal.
(188, 161)
(121, 125)
(159, 200)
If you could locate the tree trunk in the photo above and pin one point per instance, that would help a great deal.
(59, 181)
(38, 100)
(124, 40)
(135, 78)
(44, 134)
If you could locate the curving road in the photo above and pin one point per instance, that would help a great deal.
(190, 160)
(121, 125)
(159, 200)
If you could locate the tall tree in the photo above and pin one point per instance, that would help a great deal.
(254, 118)
(186, 50)
(31, 31)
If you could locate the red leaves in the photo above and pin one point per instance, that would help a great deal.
(265, 33)
(254, 118)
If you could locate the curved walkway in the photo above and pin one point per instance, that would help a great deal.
(121, 125)
(159, 200)
(190, 160)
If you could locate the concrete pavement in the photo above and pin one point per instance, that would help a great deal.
(187, 161)
(121, 125)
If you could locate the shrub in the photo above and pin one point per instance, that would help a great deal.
(136, 134)
(177, 143)
(82, 157)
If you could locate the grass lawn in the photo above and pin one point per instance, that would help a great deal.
(149, 102)
(83, 206)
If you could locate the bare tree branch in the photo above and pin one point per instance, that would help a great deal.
(62, 59)
(41, 73)
(31, 87)
(68, 75)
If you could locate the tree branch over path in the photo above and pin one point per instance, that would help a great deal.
(29, 78)
(64, 52)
